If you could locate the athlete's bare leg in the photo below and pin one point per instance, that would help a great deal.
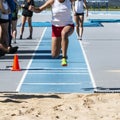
(22, 26)
(56, 46)
(66, 32)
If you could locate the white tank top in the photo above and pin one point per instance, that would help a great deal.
(5, 16)
(79, 8)
(61, 13)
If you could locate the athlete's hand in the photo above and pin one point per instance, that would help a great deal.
(31, 8)
(74, 13)
(23, 5)
(87, 14)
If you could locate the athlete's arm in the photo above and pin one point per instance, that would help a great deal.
(41, 8)
(86, 7)
(73, 6)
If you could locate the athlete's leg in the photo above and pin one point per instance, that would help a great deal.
(4, 43)
(66, 32)
(76, 19)
(14, 30)
(30, 27)
(81, 20)
(5, 34)
(56, 46)
(22, 26)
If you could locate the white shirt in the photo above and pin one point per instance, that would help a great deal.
(5, 16)
(79, 8)
(61, 13)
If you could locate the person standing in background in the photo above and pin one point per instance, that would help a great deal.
(78, 10)
(12, 8)
(4, 34)
(27, 15)
(14, 21)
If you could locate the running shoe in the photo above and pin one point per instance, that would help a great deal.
(14, 40)
(20, 37)
(79, 38)
(30, 37)
(2, 53)
(64, 62)
(13, 50)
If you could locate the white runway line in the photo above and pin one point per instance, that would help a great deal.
(89, 69)
(24, 75)
(52, 83)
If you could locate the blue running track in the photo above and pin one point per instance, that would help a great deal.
(46, 75)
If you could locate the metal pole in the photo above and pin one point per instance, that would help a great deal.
(106, 5)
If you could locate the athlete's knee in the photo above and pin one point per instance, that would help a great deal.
(23, 24)
(81, 24)
(77, 25)
(64, 35)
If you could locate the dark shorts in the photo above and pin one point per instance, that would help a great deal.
(14, 16)
(14, 19)
(79, 14)
(26, 13)
(3, 21)
(56, 31)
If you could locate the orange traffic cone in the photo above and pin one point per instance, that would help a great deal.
(15, 66)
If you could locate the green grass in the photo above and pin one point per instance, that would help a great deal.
(110, 8)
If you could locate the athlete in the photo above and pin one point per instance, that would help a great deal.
(62, 26)
(4, 34)
(27, 16)
(78, 9)
(14, 21)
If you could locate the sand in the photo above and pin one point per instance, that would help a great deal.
(104, 106)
